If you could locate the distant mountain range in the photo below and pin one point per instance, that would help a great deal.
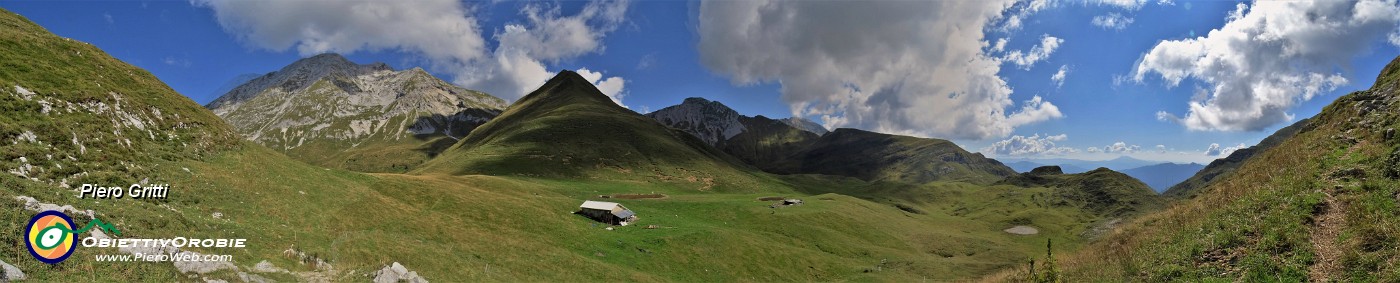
(797, 146)
(1159, 176)
(1076, 165)
(1164, 175)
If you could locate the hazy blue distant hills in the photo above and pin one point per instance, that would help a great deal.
(1071, 166)
(1024, 166)
(1164, 175)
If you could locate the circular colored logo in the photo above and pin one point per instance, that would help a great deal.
(49, 236)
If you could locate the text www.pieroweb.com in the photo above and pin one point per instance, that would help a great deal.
(162, 257)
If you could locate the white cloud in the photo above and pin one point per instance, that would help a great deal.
(1216, 150)
(1127, 4)
(610, 86)
(1000, 45)
(1161, 148)
(177, 62)
(445, 32)
(439, 29)
(904, 67)
(1038, 53)
(1019, 10)
(1121, 147)
(647, 61)
(1059, 76)
(1093, 149)
(1033, 145)
(517, 65)
(1034, 110)
(1112, 21)
(1267, 58)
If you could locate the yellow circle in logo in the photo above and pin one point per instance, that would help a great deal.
(50, 237)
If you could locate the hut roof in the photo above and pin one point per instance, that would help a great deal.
(599, 205)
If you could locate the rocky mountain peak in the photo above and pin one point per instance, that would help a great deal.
(711, 121)
(299, 75)
(327, 103)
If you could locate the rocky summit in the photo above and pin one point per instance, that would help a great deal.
(329, 111)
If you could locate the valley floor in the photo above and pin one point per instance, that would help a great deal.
(311, 223)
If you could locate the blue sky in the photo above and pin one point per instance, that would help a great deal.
(878, 65)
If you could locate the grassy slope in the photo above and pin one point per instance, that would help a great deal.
(1222, 167)
(1319, 206)
(567, 129)
(766, 142)
(875, 156)
(1101, 191)
(455, 226)
(473, 227)
(94, 103)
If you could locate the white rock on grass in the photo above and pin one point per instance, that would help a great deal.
(201, 267)
(396, 273)
(24, 93)
(267, 267)
(29, 137)
(34, 205)
(252, 278)
(11, 273)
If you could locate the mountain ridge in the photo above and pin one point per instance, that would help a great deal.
(777, 146)
(1102, 190)
(329, 111)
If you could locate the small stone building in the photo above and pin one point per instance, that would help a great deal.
(607, 212)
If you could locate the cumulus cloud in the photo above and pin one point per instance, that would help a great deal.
(1125, 4)
(1121, 147)
(518, 62)
(1093, 149)
(1216, 150)
(1033, 145)
(1059, 77)
(1161, 148)
(610, 86)
(438, 29)
(905, 67)
(445, 32)
(1266, 58)
(1038, 53)
(1012, 20)
(1112, 21)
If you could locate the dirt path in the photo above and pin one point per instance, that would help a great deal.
(1324, 239)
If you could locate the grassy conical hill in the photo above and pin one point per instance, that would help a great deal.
(568, 129)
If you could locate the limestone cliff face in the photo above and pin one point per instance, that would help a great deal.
(329, 111)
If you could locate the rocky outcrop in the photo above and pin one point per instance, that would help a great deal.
(328, 111)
